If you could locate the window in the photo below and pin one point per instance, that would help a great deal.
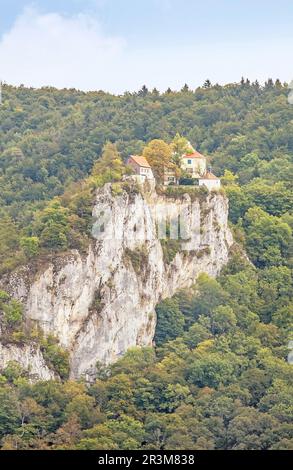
(189, 162)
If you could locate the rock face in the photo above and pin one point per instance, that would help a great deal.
(29, 357)
(102, 303)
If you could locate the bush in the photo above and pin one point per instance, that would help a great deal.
(223, 319)
(30, 246)
(170, 322)
(137, 257)
(55, 356)
(170, 249)
(12, 311)
(188, 182)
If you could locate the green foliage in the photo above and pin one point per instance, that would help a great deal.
(210, 370)
(50, 139)
(63, 223)
(13, 371)
(30, 246)
(158, 153)
(109, 167)
(179, 147)
(55, 356)
(170, 321)
(211, 295)
(268, 238)
(10, 253)
(194, 192)
(223, 319)
(138, 258)
(219, 377)
(10, 313)
(170, 249)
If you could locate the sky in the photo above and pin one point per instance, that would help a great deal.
(120, 45)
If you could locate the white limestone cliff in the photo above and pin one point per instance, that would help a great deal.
(29, 357)
(102, 303)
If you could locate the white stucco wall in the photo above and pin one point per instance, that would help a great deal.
(210, 184)
(198, 165)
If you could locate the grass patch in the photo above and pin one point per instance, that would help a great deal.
(170, 249)
(137, 257)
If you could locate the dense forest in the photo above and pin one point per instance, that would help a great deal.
(219, 376)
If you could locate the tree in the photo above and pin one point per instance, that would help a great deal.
(222, 319)
(51, 226)
(54, 237)
(82, 407)
(251, 430)
(158, 154)
(268, 238)
(134, 358)
(185, 88)
(109, 167)
(180, 146)
(207, 84)
(210, 370)
(57, 357)
(143, 91)
(196, 334)
(229, 178)
(210, 295)
(9, 412)
(9, 243)
(30, 246)
(68, 434)
(239, 200)
(170, 321)
(13, 312)
(127, 432)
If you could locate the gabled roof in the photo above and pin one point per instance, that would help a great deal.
(209, 176)
(139, 160)
(195, 154)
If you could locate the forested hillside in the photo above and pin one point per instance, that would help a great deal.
(50, 138)
(219, 376)
(222, 383)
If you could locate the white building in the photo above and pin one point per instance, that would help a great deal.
(195, 164)
(141, 167)
(169, 177)
(210, 181)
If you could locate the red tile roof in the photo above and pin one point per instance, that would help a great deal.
(209, 176)
(139, 160)
(195, 154)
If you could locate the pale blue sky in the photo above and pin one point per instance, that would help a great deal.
(118, 45)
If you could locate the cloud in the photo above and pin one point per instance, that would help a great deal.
(51, 49)
(74, 52)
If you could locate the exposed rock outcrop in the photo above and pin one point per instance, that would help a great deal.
(102, 303)
(29, 357)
